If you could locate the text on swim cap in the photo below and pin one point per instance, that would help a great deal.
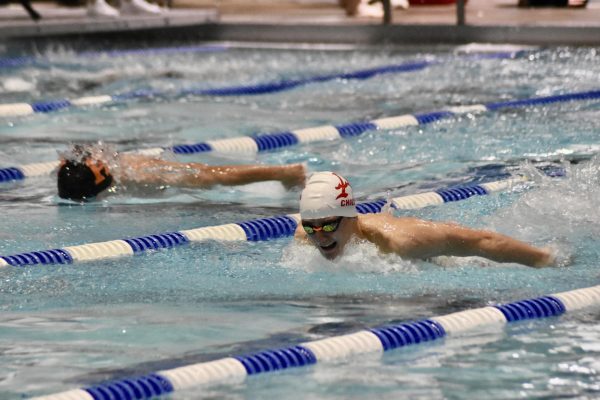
(347, 203)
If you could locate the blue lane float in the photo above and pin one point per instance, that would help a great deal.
(50, 106)
(44, 257)
(11, 174)
(393, 337)
(536, 308)
(235, 369)
(274, 141)
(277, 359)
(19, 109)
(261, 229)
(536, 101)
(141, 387)
(287, 84)
(457, 194)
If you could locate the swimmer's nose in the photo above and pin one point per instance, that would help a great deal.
(321, 236)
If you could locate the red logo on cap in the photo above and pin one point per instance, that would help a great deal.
(343, 185)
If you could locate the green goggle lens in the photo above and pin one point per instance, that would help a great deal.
(308, 229)
(330, 227)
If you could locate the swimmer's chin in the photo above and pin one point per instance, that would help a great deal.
(331, 251)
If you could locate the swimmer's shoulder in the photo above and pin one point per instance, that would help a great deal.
(384, 225)
(381, 218)
(373, 225)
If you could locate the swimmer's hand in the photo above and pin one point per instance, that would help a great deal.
(293, 175)
(554, 258)
(300, 236)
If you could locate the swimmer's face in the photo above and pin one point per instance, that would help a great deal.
(329, 235)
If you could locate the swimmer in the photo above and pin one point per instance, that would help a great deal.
(329, 221)
(85, 173)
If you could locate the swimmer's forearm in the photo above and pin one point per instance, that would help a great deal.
(502, 248)
(229, 175)
(462, 241)
(198, 175)
(193, 174)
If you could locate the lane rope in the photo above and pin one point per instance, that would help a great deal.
(261, 229)
(48, 106)
(235, 369)
(263, 142)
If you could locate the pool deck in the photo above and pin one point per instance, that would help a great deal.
(492, 21)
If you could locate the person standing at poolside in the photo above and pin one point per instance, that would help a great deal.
(86, 172)
(329, 221)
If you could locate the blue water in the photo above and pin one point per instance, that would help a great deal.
(69, 326)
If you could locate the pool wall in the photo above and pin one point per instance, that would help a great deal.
(300, 33)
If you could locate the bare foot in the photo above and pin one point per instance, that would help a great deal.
(293, 176)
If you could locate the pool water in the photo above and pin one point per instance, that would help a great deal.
(69, 326)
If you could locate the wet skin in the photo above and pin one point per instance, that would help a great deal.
(330, 244)
(419, 239)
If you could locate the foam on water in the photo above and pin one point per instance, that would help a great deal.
(16, 85)
(557, 209)
(359, 256)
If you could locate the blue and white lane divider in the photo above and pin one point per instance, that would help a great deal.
(273, 141)
(21, 61)
(235, 369)
(21, 109)
(255, 230)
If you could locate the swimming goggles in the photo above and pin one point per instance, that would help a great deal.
(329, 227)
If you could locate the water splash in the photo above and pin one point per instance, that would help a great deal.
(359, 256)
(557, 213)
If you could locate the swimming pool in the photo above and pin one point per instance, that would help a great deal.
(68, 326)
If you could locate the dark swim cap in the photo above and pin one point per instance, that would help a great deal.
(76, 181)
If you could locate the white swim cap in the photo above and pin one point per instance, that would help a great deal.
(327, 195)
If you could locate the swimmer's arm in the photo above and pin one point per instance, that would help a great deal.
(157, 171)
(462, 241)
(414, 238)
(144, 169)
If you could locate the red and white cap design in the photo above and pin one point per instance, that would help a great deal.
(327, 194)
